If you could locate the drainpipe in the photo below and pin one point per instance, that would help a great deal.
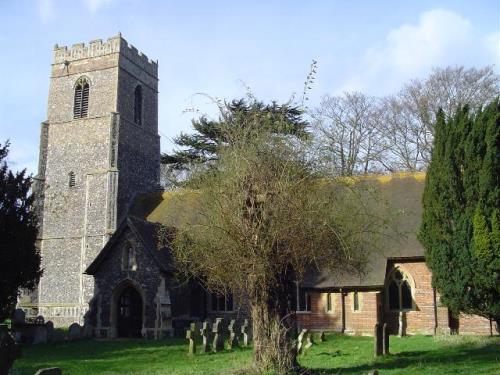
(342, 295)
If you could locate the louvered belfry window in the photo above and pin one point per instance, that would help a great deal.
(81, 105)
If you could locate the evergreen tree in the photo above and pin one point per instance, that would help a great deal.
(460, 227)
(20, 259)
(205, 143)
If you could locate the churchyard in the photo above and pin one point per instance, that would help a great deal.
(338, 354)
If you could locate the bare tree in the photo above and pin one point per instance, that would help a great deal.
(409, 116)
(348, 134)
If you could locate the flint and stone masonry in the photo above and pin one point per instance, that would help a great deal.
(113, 158)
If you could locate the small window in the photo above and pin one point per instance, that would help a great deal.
(355, 301)
(71, 179)
(304, 300)
(138, 105)
(129, 262)
(329, 302)
(222, 303)
(81, 100)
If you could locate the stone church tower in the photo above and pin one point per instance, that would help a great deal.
(98, 148)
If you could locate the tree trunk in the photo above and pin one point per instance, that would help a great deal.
(273, 339)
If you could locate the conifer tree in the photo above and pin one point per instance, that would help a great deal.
(460, 227)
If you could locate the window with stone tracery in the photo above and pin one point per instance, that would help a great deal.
(399, 291)
(81, 99)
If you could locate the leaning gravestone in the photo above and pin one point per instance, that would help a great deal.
(301, 340)
(205, 335)
(49, 371)
(74, 331)
(218, 342)
(191, 336)
(244, 332)
(8, 350)
(231, 342)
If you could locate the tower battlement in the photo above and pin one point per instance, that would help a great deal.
(96, 48)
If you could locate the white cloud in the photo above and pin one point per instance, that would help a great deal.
(46, 10)
(95, 5)
(439, 38)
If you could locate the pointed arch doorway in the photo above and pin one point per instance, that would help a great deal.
(129, 312)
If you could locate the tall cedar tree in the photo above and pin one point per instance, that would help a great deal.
(204, 145)
(20, 259)
(460, 229)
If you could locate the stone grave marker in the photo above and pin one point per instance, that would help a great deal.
(49, 371)
(385, 339)
(49, 326)
(40, 334)
(231, 342)
(191, 336)
(301, 340)
(74, 331)
(322, 337)
(218, 342)
(377, 340)
(39, 320)
(244, 332)
(18, 317)
(205, 336)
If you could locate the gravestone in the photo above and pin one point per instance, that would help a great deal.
(322, 337)
(205, 336)
(49, 371)
(385, 339)
(301, 340)
(74, 331)
(244, 332)
(218, 342)
(9, 351)
(86, 331)
(49, 326)
(231, 342)
(191, 336)
(18, 317)
(377, 340)
(40, 334)
(39, 320)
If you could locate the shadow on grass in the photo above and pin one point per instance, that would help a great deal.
(462, 354)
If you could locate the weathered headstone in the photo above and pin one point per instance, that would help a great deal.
(9, 351)
(322, 337)
(39, 320)
(205, 336)
(218, 342)
(74, 331)
(385, 339)
(301, 340)
(40, 334)
(18, 317)
(244, 332)
(231, 342)
(191, 336)
(377, 340)
(49, 371)
(49, 326)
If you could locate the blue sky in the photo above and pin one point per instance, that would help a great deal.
(212, 47)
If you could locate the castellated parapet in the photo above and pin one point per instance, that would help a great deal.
(97, 48)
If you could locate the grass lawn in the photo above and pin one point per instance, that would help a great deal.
(338, 355)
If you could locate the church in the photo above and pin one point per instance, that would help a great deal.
(102, 211)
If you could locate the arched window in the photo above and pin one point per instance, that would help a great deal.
(399, 296)
(81, 103)
(71, 179)
(138, 105)
(129, 262)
